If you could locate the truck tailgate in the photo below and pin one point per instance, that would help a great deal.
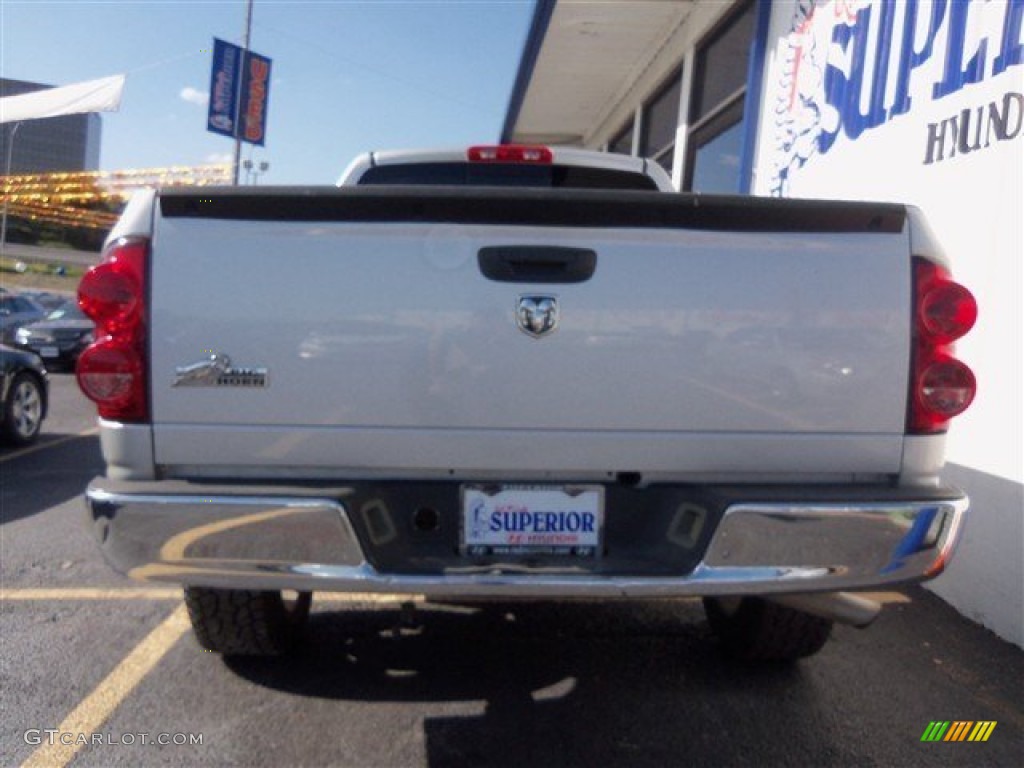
(775, 343)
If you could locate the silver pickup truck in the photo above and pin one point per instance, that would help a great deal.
(523, 372)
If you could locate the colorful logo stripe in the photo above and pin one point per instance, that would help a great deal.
(958, 730)
(982, 731)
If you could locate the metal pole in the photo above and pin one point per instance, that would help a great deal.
(7, 197)
(245, 50)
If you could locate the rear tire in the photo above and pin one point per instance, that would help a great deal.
(752, 629)
(236, 622)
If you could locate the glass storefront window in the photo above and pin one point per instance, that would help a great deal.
(660, 119)
(721, 67)
(716, 163)
(715, 140)
(622, 143)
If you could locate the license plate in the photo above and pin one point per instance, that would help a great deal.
(565, 521)
(49, 352)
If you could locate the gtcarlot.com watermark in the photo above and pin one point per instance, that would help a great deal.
(54, 737)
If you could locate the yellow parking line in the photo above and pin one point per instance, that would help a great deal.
(94, 710)
(90, 594)
(175, 593)
(176, 547)
(149, 593)
(366, 597)
(51, 444)
(885, 598)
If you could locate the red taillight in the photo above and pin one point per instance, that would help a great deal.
(946, 310)
(941, 386)
(510, 153)
(111, 292)
(110, 373)
(112, 370)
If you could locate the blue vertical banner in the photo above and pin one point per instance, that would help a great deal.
(222, 116)
(252, 112)
(239, 93)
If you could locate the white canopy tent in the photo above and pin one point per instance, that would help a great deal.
(103, 95)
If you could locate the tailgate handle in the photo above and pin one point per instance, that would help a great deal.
(537, 264)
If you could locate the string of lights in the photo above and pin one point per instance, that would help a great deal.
(120, 182)
(58, 198)
(63, 216)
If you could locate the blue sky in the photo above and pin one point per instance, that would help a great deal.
(347, 76)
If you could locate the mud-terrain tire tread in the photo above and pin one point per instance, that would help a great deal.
(760, 630)
(236, 622)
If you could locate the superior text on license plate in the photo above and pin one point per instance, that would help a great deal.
(565, 521)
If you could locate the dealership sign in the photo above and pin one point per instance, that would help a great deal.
(844, 69)
(918, 102)
(239, 91)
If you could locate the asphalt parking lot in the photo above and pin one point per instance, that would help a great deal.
(88, 656)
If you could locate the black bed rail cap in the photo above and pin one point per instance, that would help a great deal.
(532, 207)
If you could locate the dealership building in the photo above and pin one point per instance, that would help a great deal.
(918, 102)
(54, 144)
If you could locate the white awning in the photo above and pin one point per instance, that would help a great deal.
(581, 60)
(103, 95)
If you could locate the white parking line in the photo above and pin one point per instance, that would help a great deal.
(51, 444)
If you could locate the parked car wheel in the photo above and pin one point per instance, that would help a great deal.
(23, 409)
(237, 622)
(752, 629)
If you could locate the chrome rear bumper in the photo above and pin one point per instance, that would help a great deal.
(303, 540)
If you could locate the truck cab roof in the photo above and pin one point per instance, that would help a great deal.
(508, 165)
